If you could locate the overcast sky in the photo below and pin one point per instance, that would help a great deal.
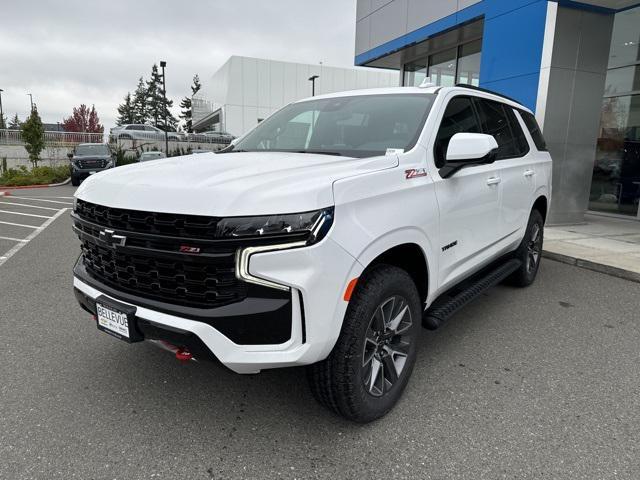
(77, 51)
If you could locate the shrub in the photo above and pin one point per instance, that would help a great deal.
(21, 176)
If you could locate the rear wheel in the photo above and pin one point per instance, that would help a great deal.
(369, 367)
(529, 252)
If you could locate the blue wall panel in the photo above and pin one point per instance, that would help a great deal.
(512, 47)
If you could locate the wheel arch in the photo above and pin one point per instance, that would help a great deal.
(542, 205)
(410, 258)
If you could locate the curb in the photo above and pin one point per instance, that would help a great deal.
(594, 266)
(24, 187)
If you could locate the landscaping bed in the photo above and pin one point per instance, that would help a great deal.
(21, 176)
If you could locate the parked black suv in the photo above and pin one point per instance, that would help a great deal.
(90, 158)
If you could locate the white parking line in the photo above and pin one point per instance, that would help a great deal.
(28, 205)
(25, 214)
(43, 200)
(18, 225)
(31, 236)
(13, 239)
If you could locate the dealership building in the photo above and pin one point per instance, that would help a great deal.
(576, 64)
(244, 91)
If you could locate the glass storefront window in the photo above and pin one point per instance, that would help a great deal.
(616, 175)
(415, 73)
(615, 186)
(469, 63)
(456, 65)
(625, 40)
(442, 68)
(622, 79)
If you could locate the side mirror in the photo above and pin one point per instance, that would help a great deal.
(471, 148)
(467, 149)
(69, 156)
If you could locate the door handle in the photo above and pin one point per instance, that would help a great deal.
(493, 180)
(529, 173)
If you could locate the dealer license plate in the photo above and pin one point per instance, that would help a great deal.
(118, 320)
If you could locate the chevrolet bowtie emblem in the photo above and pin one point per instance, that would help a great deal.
(110, 238)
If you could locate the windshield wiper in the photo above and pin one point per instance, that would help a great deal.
(320, 152)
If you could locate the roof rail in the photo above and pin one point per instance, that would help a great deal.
(485, 90)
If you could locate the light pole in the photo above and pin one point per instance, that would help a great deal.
(1, 114)
(31, 100)
(164, 95)
(313, 84)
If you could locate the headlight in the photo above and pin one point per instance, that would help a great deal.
(315, 224)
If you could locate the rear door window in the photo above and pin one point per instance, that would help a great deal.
(498, 119)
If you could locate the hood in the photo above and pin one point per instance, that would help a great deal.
(229, 184)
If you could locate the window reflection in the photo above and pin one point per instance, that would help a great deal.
(615, 186)
(456, 65)
(442, 68)
(469, 63)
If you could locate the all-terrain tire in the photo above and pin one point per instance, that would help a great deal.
(338, 382)
(529, 252)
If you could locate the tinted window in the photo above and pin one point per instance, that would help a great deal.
(498, 120)
(353, 126)
(534, 130)
(459, 117)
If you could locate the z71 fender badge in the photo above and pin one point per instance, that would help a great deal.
(415, 173)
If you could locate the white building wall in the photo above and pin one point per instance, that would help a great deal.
(248, 89)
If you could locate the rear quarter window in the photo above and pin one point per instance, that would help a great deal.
(534, 130)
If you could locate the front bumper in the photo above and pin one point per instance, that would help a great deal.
(311, 312)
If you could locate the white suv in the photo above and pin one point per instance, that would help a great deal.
(324, 237)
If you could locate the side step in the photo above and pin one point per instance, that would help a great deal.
(443, 310)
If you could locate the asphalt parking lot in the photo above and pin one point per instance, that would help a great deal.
(536, 383)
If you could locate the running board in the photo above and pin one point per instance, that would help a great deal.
(440, 311)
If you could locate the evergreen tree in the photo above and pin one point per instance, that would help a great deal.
(33, 136)
(154, 95)
(14, 124)
(186, 105)
(139, 102)
(157, 107)
(126, 112)
(3, 122)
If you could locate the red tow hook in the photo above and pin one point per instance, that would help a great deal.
(183, 355)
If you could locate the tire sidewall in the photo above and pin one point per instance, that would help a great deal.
(534, 219)
(397, 282)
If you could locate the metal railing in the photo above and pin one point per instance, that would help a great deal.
(141, 136)
(62, 139)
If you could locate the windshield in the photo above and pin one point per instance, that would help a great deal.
(357, 126)
(85, 150)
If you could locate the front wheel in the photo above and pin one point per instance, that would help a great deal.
(370, 365)
(75, 181)
(529, 252)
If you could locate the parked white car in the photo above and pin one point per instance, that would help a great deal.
(326, 237)
(142, 132)
(146, 156)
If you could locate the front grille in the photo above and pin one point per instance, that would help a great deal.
(175, 225)
(188, 280)
(91, 163)
(150, 264)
